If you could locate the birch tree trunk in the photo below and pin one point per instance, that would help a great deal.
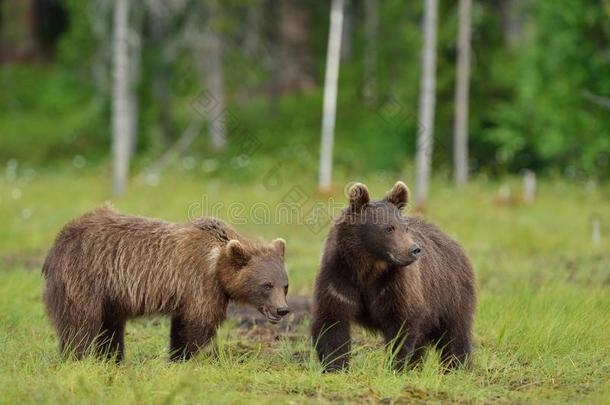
(427, 100)
(135, 56)
(460, 130)
(333, 56)
(371, 27)
(211, 60)
(121, 119)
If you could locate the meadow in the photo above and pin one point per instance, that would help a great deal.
(541, 331)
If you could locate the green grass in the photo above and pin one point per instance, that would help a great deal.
(541, 331)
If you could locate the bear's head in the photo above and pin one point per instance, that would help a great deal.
(378, 228)
(254, 274)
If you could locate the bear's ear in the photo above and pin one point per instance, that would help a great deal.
(279, 244)
(237, 253)
(398, 195)
(358, 196)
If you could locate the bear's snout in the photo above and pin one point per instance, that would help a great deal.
(274, 314)
(283, 311)
(415, 251)
(407, 257)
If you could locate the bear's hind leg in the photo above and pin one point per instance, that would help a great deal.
(111, 342)
(188, 336)
(77, 336)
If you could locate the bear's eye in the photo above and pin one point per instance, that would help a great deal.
(286, 290)
(390, 228)
(268, 286)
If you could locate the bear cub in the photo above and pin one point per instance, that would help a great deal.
(106, 267)
(394, 274)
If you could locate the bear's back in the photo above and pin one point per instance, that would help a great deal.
(145, 265)
(447, 276)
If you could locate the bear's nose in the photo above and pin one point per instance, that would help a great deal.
(415, 251)
(283, 311)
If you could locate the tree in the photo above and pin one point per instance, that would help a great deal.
(427, 100)
(208, 45)
(460, 130)
(333, 57)
(121, 109)
(135, 55)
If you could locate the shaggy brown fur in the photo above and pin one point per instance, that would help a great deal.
(106, 267)
(398, 275)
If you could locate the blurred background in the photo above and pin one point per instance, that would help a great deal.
(496, 113)
(154, 104)
(539, 83)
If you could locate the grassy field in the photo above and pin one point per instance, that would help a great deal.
(541, 332)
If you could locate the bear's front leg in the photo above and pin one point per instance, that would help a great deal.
(404, 341)
(188, 336)
(331, 338)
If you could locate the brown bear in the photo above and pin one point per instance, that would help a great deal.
(398, 275)
(106, 267)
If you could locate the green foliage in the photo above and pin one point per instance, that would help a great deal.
(48, 116)
(532, 105)
(551, 123)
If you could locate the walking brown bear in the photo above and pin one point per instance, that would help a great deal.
(106, 267)
(395, 274)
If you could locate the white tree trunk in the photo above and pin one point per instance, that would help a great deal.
(427, 99)
(460, 130)
(596, 231)
(121, 119)
(371, 27)
(211, 59)
(529, 186)
(333, 56)
(135, 56)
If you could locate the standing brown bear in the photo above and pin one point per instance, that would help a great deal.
(106, 267)
(397, 275)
